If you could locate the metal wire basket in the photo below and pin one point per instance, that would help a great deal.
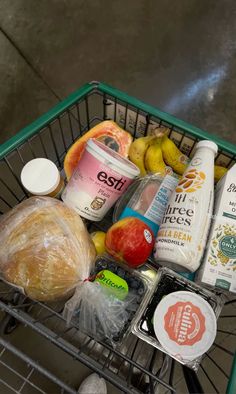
(136, 367)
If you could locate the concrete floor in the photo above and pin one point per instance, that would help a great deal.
(176, 55)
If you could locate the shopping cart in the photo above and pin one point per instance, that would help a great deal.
(136, 367)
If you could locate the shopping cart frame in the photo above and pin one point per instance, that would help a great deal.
(50, 136)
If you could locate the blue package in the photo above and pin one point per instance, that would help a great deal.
(188, 275)
(150, 199)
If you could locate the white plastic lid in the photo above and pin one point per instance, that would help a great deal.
(40, 176)
(208, 144)
(185, 325)
(115, 158)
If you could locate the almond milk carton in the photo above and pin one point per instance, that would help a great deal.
(183, 232)
(219, 264)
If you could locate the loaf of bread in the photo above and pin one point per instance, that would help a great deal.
(45, 249)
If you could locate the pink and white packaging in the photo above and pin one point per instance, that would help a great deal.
(100, 178)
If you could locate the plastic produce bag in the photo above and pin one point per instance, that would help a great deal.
(45, 249)
(99, 313)
(104, 305)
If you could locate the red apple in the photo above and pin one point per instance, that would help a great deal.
(130, 240)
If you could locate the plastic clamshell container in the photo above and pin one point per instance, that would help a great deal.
(106, 262)
(140, 320)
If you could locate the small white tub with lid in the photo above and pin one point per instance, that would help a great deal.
(41, 177)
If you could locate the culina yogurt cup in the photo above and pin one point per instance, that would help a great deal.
(185, 325)
(100, 178)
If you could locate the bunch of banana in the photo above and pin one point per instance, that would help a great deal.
(154, 159)
(152, 154)
(138, 150)
(146, 153)
(179, 162)
(173, 156)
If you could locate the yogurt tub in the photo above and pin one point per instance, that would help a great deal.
(185, 325)
(101, 177)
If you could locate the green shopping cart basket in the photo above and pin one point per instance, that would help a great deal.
(136, 367)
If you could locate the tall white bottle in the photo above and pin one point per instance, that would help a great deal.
(182, 235)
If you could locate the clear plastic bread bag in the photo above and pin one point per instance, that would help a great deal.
(45, 250)
(47, 253)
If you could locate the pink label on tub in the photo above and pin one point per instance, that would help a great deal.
(94, 187)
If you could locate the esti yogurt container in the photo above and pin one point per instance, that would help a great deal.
(101, 177)
(185, 325)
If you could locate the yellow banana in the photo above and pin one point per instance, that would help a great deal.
(137, 152)
(145, 153)
(154, 160)
(219, 172)
(173, 157)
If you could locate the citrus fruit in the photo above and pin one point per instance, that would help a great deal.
(98, 238)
